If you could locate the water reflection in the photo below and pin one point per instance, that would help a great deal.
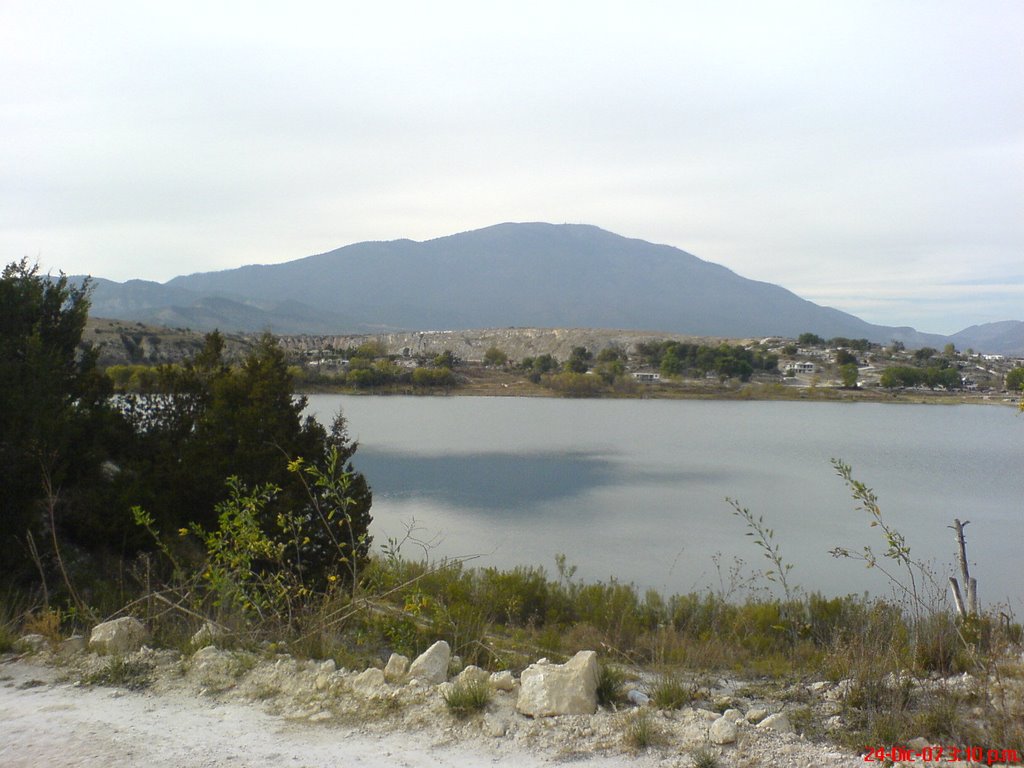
(493, 482)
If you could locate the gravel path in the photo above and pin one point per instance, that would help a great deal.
(47, 722)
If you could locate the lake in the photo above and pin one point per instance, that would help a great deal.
(636, 489)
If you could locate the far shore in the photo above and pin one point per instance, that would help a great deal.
(497, 383)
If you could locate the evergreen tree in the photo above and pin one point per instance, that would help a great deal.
(54, 413)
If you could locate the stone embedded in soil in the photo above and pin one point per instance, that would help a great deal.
(124, 635)
(560, 689)
(502, 681)
(207, 634)
(778, 723)
(472, 675)
(34, 642)
(212, 668)
(756, 714)
(722, 731)
(431, 666)
(397, 668)
(369, 683)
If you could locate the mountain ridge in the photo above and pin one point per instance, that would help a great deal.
(511, 274)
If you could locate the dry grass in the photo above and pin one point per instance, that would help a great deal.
(467, 698)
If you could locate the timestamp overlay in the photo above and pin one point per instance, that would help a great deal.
(943, 754)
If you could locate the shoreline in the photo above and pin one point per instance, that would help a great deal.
(503, 385)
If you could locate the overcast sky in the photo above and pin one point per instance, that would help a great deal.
(866, 155)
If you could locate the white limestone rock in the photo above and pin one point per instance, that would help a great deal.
(208, 634)
(325, 674)
(213, 668)
(840, 690)
(472, 675)
(396, 669)
(503, 681)
(124, 635)
(431, 666)
(560, 689)
(369, 683)
(722, 731)
(35, 643)
(778, 723)
(756, 714)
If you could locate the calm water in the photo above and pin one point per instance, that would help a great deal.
(636, 489)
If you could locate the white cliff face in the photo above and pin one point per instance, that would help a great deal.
(471, 345)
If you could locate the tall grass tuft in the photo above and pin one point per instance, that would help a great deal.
(670, 691)
(466, 698)
(704, 758)
(610, 682)
(641, 732)
(122, 672)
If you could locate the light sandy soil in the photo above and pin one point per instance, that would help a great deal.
(45, 722)
(47, 719)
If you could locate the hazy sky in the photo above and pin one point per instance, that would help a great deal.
(866, 155)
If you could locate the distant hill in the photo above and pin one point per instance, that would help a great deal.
(1004, 338)
(121, 342)
(531, 275)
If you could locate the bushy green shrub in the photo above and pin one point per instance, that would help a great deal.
(516, 597)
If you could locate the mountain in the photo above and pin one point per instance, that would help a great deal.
(1004, 338)
(535, 274)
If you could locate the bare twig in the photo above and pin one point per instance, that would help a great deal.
(51, 509)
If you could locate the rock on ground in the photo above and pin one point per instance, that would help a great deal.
(397, 668)
(124, 635)
(560, 689)
(431, 666)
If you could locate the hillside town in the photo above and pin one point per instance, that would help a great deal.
(808, 362)
(587, 362)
